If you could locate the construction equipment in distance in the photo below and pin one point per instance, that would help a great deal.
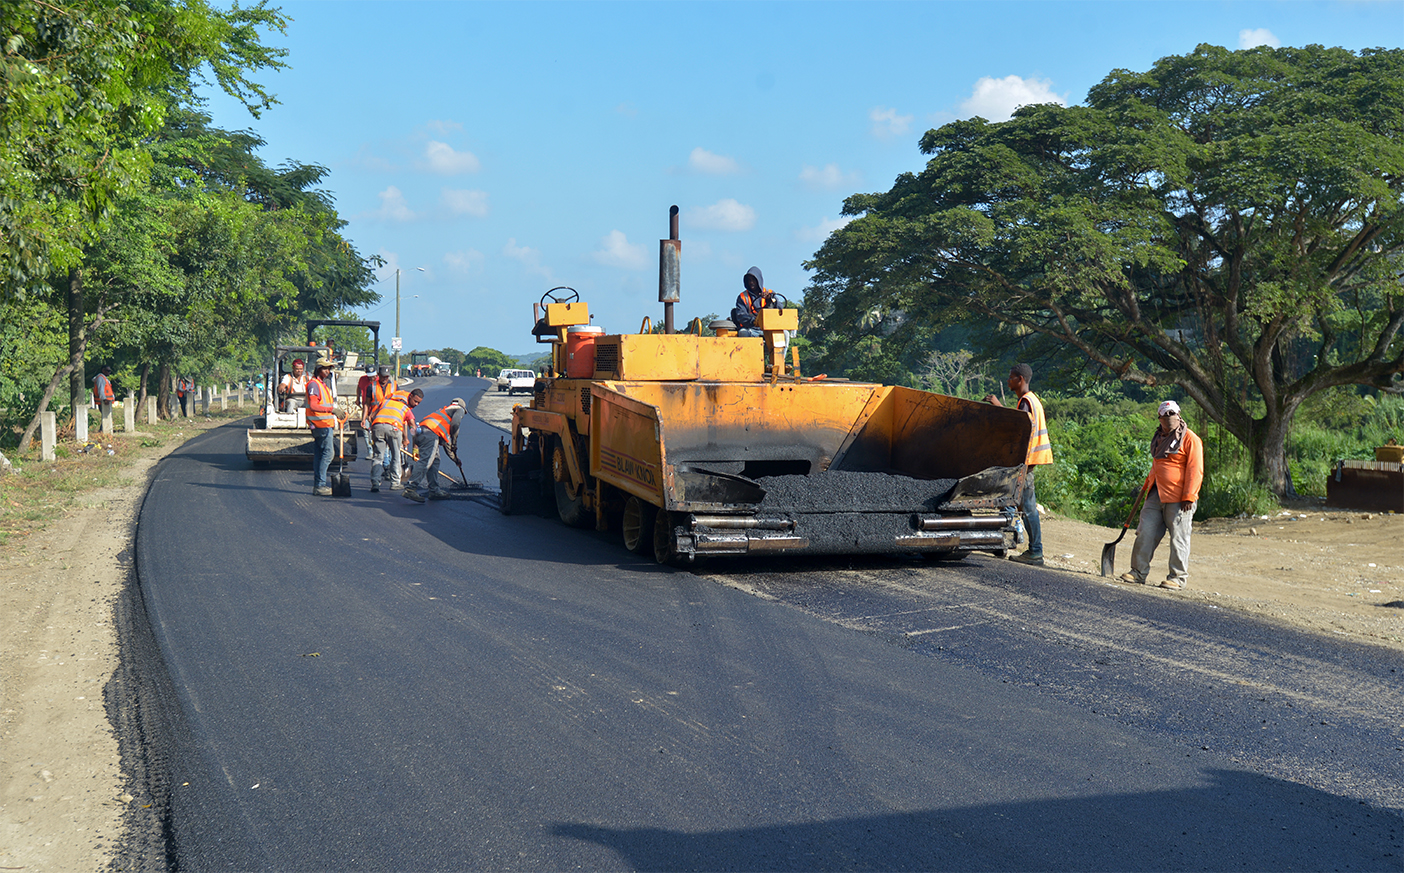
(421, 365)
(693, 446)
(279, 437)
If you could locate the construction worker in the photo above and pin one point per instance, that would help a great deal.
(322, 419)
(377, 389)
(292, 389)
(102, 391)
(753, 298)
(393, 418)
(1040, 452)
(184, 388)
(1176, 475)
(436, 429)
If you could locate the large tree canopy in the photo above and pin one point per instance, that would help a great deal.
(1226, 222)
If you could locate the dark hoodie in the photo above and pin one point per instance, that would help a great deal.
(749, 302)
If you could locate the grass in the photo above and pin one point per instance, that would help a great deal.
(39, 492)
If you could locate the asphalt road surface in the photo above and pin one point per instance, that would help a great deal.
(369, 683)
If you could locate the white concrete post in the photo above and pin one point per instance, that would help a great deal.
(129, 413)
(205, 394)
(106, 417)
(150, 409)
(80, 421)
(48, 431)
(224, 397)
(240, 395)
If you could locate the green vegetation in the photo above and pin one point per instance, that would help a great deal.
(131, 232)
(1226, 224)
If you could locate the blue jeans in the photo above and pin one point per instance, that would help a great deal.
(1030, 508)
(323, 448)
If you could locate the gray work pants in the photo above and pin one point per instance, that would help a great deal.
(387, 437)
(425, 474)
(1156, 519)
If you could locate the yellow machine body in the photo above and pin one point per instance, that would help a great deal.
(687, 441)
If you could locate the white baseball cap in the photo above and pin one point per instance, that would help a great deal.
(1169, 407)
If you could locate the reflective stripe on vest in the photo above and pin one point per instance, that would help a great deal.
(393, 410)
(321, 410)
(1040, 449)
(438, 423)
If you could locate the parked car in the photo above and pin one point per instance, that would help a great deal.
(513, 381)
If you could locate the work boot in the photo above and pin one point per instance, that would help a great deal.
(414, 495)
(1131, 577)
(324, 491)
(1172, 584)
(375, 485)
(438, 494)
(1027, 558)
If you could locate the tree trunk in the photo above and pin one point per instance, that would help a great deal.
(163, 391)
(77, 338)
(54, 383)
(1268, 446)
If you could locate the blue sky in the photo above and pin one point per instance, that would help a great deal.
(510, 147)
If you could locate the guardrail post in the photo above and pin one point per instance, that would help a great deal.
(106, 417)
(48, 431)
(205, 394)
(129, 413)
(80, 421)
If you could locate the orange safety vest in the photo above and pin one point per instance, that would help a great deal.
(1040, 449)
(102, 390)
(321, 409)
(394, 409)
(375, 394)
(1179, 476)
(439, 423)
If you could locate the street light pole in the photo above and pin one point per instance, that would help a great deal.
(397, 318)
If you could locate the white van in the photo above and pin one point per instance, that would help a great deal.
(513, 381)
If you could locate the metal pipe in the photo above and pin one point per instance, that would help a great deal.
(964, 522)
(741, 522)
(972, 539)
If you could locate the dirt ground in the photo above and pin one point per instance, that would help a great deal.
(1333, 572)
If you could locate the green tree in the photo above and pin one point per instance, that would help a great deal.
(1229, 223)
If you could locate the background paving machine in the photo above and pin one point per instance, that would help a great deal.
(696, 445)
(282, 437)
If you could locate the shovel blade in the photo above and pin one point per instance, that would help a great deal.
(1108, 558)
(341, 485)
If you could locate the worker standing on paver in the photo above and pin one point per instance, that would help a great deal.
(1040, 453)
(394, 417)
(322, 420)
(435, 430)
(102, 392)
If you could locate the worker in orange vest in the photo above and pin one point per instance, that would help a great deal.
(322, 420)
(102, 390)
(394, 417)
(435, 429)
(184, 388)
(1040, 452)
(1176, 475)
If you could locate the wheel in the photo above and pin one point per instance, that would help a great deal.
(665, 540)
(638, 525)
(570, 503)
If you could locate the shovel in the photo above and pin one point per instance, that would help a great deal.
(1109, 550)
(340, 482)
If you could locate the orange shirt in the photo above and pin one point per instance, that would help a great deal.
(1179, 476)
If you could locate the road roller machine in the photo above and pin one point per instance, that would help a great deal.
(693, 445)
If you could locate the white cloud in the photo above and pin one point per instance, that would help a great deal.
(828, 177)
(887, 123)
(996, 99)
(1259, 36)
(617, 251)
(528, 257)
(821, 231)
(443, 159)
(723, 215)
(703, 161)
(464, 202)
(393, 206)
(464, 263)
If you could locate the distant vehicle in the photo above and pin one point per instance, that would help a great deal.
(513, 381)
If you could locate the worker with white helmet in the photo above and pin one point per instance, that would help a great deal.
(435, 429)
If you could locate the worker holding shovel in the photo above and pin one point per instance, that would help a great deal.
(1177, 471)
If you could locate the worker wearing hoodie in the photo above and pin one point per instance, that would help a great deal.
(752, 300)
